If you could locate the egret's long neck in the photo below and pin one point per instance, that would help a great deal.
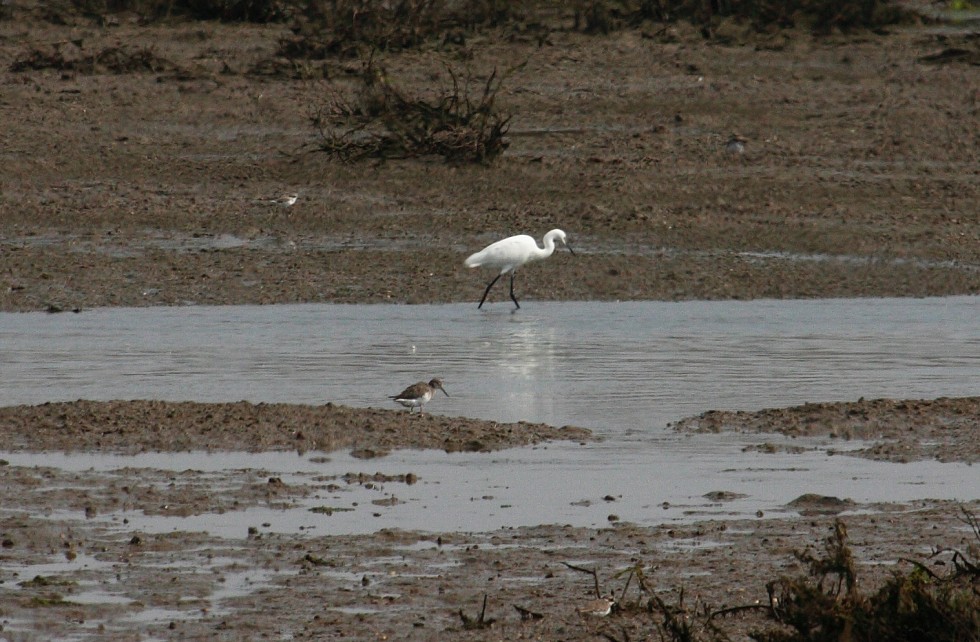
(549, 247)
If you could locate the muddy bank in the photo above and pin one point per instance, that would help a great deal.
(899, 430)
(85, 555)
(894, 430)
(149, 184)
(73, 566)
(130, 427)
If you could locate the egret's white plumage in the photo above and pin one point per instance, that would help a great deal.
(511, 253)
(418, 394)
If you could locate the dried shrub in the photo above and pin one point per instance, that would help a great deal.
(351, 28)
(826, 604)
(820, 16)
(238, 10)
(69, 57)
(495, 13)
(227, 10)
(380, 121)
(909, 607)
(345, 27)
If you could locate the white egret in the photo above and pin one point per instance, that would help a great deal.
(511, 253)
(418, 394)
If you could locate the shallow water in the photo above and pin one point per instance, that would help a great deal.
(623, 369)
(613, 367)
(662, 480)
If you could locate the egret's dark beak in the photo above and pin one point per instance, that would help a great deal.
(569, 247)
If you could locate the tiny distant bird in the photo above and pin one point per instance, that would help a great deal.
(598, 608)
(511, 253)
(286, 200)
(417, 395)
(736, 144)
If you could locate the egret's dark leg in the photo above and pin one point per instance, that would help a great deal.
(487, 291)
(512, 297)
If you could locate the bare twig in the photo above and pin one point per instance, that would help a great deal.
(590, 571)
(622, 596)
(528, 614)
(480, 622)
(970, 520)
(731, 610)
(922, 567)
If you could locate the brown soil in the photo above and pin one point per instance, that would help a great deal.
(132, 160)
(130, 427)
(394, 584)
(131, 169)
(943, 429)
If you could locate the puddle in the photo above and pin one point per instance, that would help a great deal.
(98, 597)
(82, 561)
(861, 260)
(657, 481)
(364, 610)
(690, 545)
(229, 577)
(241, 583)
(180, 242)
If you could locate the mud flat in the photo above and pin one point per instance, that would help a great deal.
(148, 185)
(77, 562)
(900, 430)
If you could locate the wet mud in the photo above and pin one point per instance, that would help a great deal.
(152, 183)
(946, 429)
(131, 427)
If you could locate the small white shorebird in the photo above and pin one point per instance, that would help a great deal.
(286, 200)
(600, 607)
(417, 395)
(513, 252)
(736, 144)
